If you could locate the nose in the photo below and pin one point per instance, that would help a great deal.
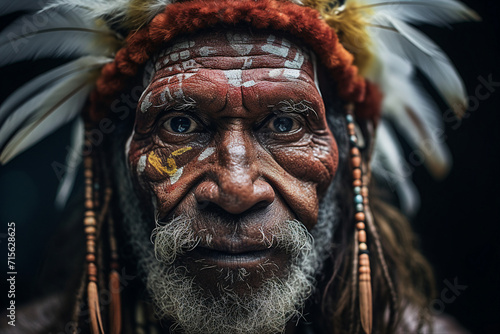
(235, 183)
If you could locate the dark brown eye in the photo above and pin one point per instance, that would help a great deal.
(180, 124)
(284, 124)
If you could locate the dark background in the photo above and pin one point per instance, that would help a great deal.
(458, 222)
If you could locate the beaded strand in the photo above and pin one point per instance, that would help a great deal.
(360, 203)
(90, 220)
(91, 231)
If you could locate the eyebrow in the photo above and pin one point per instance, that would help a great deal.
(184, 104)
(290, 106)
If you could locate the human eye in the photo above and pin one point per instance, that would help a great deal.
(287, 127)
(284, 124)
(181, 124)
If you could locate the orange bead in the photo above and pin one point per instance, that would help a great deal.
(364, 269)
(356, 161)
(90, 257)
(354, 151)
(92, 269)
(364, 257)
(88, 204)
(88, 221)
(362, 236)
(90, 249)
(90, 230)
(357, 183)
(356, 173)
(360, 216)
(360, 226)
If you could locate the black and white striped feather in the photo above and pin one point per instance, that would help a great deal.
(25, 123)
(12, 6)
(54, 34)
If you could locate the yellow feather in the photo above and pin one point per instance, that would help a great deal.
(350, 25)
(139, 13)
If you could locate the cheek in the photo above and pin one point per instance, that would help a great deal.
(153, 165)
(314, 165)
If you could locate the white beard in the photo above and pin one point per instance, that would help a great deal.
(265, 310)
(179, 299)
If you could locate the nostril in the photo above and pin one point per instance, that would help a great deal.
(260, 206)
(202, 205)
(224, 210)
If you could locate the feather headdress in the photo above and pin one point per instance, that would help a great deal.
(362, 43)
(388, 50)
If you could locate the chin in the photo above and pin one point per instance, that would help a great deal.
(206, 289)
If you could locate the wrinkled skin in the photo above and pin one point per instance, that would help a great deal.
(232, 133)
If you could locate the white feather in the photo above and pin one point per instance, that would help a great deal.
(43, 114)
(11, 6)
(406, 42)
(435, 12)
(73, 160)
(116, 11)
(25, 101)
(388, 163)
(46, 81)
(54, 34)
(414, 112)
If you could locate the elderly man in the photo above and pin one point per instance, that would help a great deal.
(240, 180)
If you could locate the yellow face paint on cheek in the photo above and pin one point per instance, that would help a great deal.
(171, 167)
(180, 151)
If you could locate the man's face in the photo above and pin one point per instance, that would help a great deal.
(231, 138)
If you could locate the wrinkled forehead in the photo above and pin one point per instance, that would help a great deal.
(233, 52)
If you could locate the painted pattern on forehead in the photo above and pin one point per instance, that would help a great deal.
(233, 52)
(248, 51)
(209, 64)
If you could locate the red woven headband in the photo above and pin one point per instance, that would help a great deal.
(191, 16)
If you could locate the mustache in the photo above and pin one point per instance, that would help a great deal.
(178, 236)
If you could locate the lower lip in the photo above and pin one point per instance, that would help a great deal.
(235, 260)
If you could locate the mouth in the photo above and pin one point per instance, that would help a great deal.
(232, 259)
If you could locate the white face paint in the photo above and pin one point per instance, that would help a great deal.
(141, 165)
(176, 176)
(206, 51)
(297, 61)
(277, 50)
(238, 43)
(146, 103)
(206, 153)
(291, 74)
(234, 79)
